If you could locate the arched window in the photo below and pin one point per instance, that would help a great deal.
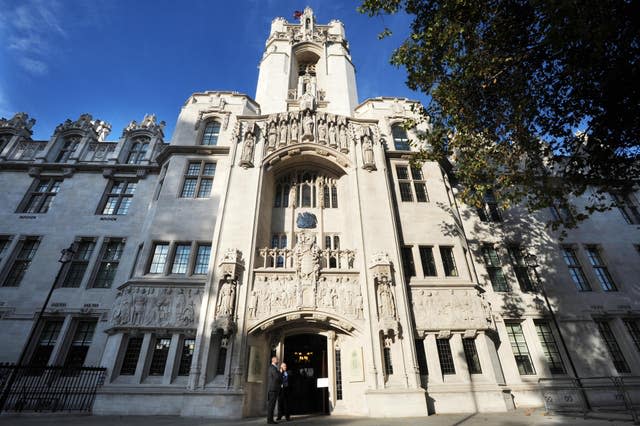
(278, 198)
(69, 146)
(138, 151)
(400, 139)
(306, 195)
(285, 196)
(211, 133)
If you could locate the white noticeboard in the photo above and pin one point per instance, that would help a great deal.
(323, 382)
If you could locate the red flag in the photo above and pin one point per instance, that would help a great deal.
(297, 14)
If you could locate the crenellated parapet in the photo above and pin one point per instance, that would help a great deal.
(19, 123)
(84, 126)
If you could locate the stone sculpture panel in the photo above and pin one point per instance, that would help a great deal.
(450, 309)
(156, 307)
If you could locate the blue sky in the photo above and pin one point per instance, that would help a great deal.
(118, 59)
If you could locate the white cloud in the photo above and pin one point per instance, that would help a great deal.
(6, 110)
(32, 32)
(34, 66)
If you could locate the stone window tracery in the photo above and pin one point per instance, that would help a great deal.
(67, 149)
(309, 189)
(138, 150)
(400, 138)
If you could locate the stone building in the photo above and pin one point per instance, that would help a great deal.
(294, 225)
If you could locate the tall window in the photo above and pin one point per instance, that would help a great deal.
(490, 212)
(575, 270)
(445, 357)
(550, 348)
(520, 267)
(186, 356)
(561, 212)
(118, 196)
(159, 356)
(138, 150)
(612, 347)
(222, 360)
(422, 357)
(628, 206)
(181, 259)
(428, 262)
(600, 269)
(332, 242)
(202, 260)
(330, 195)
(25, 251)
(80, 344)
(411, 184)
(400, 139)
(279, 241)
(307, 191)
(338, 374)
(494, 268)
(520, 349)
(5, 241)
(388, 365)
(131, 355)
(634, 331)
(448, 261)
(67, 149)
(282, 195)
(471, 355)
(46, 342)
(211, 133)
(41, 196)
(407, 262)
(198, 180)
(79, 264)
(109, 260)
(159, 260)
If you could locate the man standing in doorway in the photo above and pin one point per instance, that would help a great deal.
(283, 398)
(273, 388)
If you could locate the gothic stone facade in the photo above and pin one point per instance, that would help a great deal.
(296, 213)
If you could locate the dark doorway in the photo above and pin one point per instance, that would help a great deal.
(306, 359)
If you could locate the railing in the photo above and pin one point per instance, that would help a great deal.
(27, 150)
(329, 259)
(610, 394)
(50, 388)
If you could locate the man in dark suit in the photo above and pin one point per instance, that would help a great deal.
(273, 388)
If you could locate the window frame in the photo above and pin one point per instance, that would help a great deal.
(400, 141)
(600, 269)
(520, 268)
(138, 148)
(427, 263)
(206, 138)
(516, 345)
(575, 269)
(493, 266)
(453, 272)
(550, 348)
(100, 260)
(445, 356)
(76, 260)
(43, 203)
(410, 179)
(199, 178)
(470, 350)
(616, 355)
(120, 196)
(16, 256)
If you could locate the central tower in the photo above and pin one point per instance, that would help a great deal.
(306, 66)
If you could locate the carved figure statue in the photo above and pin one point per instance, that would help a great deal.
(273, 136)
(139, 304)
(344, 142)
(283, 133)
(367, 151)
(293, 127)
(227, 297)
(322, 131)
(386, 304)
(332, 135)
(247, 149)
(308, 125)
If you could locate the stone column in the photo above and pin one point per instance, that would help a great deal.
(331, 367)
(489, 359)
(145, 354)
(459, 359)
(433, 361)
(172, 360)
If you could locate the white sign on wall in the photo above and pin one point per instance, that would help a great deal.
(255, 365)
(323, 382)
(356, 370)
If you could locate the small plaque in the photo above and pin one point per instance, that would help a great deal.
(306, 220)
(323, 382)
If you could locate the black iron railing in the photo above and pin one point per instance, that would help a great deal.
(50, 388)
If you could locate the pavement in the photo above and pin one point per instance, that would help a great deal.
(519, 417)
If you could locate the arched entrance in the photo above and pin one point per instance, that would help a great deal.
(307, 361)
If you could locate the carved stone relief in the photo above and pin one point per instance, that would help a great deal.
(450, 309)
(278, 293)
(156, 307)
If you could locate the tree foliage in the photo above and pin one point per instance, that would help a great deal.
(539, 100)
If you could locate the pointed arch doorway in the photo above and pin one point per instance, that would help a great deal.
(307, 360)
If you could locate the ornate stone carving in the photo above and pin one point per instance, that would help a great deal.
(226, 297)
(450, 309)
(248, 146)
(386, 301)
(97, 129)
(231, 263)
(18, 122)
(146, 306)
(148, 123)
(308, 126)
(278, 293)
